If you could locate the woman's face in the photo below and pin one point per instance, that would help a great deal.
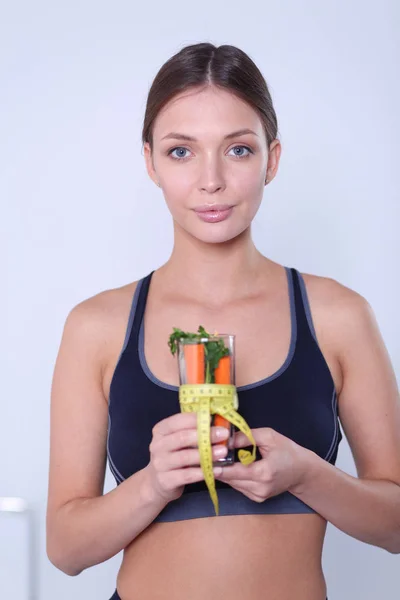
(211, 168)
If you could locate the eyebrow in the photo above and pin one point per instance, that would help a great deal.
(189, 138)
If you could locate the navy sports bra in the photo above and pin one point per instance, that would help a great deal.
(299, 400)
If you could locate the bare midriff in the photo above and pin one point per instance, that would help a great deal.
(241, 557)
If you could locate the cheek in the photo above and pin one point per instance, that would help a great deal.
(252, 184)
(249, 192)
(177, 182)
(176, 199)
(177, 189)
(248, 185)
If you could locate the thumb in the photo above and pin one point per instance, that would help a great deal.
(241, 440)
(263, 436)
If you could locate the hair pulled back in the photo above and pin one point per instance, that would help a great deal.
(204, 64)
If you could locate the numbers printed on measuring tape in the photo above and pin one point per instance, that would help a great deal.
(207, 399)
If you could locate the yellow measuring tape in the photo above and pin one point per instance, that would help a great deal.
(208, 399)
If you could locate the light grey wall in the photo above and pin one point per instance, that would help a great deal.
(78, 211)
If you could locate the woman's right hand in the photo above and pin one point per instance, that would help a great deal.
(175, 457)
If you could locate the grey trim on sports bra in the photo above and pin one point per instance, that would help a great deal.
(336, 429)
(249, 386)
(118, 476)
(334, 393)
(132, 313)
(307, 306)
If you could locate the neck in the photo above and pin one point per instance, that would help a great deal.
(215, 273)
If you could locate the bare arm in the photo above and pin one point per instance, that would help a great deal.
(92, 530)
(83, 526)
(367, 507)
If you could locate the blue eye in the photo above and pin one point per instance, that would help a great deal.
(177, 148)
(181, 148)
(246, 148)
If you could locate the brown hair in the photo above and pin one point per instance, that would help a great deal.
(204, 64)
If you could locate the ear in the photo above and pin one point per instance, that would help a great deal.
(274, 154)
(149, 162)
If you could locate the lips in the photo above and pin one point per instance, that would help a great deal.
(212, 207)
(214, 216)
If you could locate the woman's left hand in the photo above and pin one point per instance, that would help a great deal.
(282, 467)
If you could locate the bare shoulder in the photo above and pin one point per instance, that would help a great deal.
(97, 319)
(341, 317)
(104, 305)
(351, 320)
(338, 309)
(329, 292)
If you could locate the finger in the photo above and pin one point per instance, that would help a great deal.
(241, 440)
(187, 438)
(175, 423)
(262, 437)
(185, 458)
(245, 487)
(238, 471)
(179, 477)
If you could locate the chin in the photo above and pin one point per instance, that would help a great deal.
(212, 234)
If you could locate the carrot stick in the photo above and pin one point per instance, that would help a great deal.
(222, 375)
(194, 362)
(223, 370)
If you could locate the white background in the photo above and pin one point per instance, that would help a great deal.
(78, 210)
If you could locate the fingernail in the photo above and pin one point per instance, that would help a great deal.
(220, 450)
(222, 432)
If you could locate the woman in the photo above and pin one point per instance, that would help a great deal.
(307, 350)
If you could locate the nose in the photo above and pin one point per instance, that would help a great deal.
(211, 178)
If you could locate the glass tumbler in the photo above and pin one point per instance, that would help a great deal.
(210, 360)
